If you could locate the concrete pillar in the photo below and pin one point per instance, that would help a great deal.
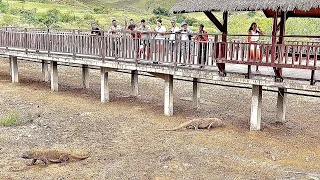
(255, 119)
(104, 85)
(85, 76)
(14, 69)
(134, 83)
(45, 72)
(196, 93)
(54, 75)
(281, 105)
(168, 95)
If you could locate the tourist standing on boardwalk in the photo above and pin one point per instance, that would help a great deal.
(136, 35)
(202, 38)
(173, 37)
(253, 38)
(160, 33)
(145, 31)
(115, 30)
(95, 31)
(186, 44)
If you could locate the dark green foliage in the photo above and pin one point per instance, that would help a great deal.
(49, 18)
(188, 20)
(101, 10)
(161, 11)
(252, 14)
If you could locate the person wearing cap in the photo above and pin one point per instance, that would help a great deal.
(173, 36)
(202, 38)
(186, 45)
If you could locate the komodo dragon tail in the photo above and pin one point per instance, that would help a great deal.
(183, 125)
(79, 157)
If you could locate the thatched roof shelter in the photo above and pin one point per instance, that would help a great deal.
(185, 6)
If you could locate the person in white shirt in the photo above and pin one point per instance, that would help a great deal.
(186, 44)
(145, 45)
(160, 33)
(173, 36)
(253, 38)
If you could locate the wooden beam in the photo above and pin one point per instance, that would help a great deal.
(214, 20)
(284, 18)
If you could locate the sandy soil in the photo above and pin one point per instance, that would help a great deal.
(122, 136)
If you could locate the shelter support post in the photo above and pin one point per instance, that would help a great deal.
(168, 95)
(281, 105)
(312, 80)
(54, 75)
(14, 69)
(45, 72)
(104, 85)
(224, 30)
(196, 93)
(255, 119)
(85, 76)
(282, 25)
(134, 83)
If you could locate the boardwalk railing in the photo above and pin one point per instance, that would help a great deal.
(130, 46)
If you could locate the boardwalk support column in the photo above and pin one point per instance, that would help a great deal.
(14, 69)
(85, 76)
(255, 119)
(196, 93)
(45, 72)
(54, 75)
(168, 95)
(134, 83)
(104, 85)
(281, 105)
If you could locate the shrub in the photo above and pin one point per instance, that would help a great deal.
(10, 119)
(190, 21)
(161, 11)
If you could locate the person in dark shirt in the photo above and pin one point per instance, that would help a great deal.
(95, 31)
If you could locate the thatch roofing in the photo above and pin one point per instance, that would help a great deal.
(243, 5)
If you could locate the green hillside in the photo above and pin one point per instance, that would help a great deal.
(81, 13)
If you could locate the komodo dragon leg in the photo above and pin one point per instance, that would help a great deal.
(32, 162)
(44, 161)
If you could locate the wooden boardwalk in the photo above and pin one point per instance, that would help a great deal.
(167, 64)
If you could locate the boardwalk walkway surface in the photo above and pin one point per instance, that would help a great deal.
(110, 53)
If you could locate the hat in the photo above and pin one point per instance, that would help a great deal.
(173, 20)
(183, 23)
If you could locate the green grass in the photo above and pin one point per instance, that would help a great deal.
(11, 119)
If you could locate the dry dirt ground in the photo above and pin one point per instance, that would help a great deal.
(122, 136)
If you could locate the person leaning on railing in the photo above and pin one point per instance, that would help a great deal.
(145, 31)
(136, 35)
(160, 32)
(95, 31)
(115, 31)
(202, 38)
(173, 35)
(253, 38)
(186, 45)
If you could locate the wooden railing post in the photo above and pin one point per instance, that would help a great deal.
(103, 50)
(73, 44)
(49, 40)
(7, 39)
(25, 40)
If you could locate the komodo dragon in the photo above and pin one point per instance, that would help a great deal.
(201, 123)
(52, 156)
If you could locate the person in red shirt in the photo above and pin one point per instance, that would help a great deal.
(202, 38)
(136, 35)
